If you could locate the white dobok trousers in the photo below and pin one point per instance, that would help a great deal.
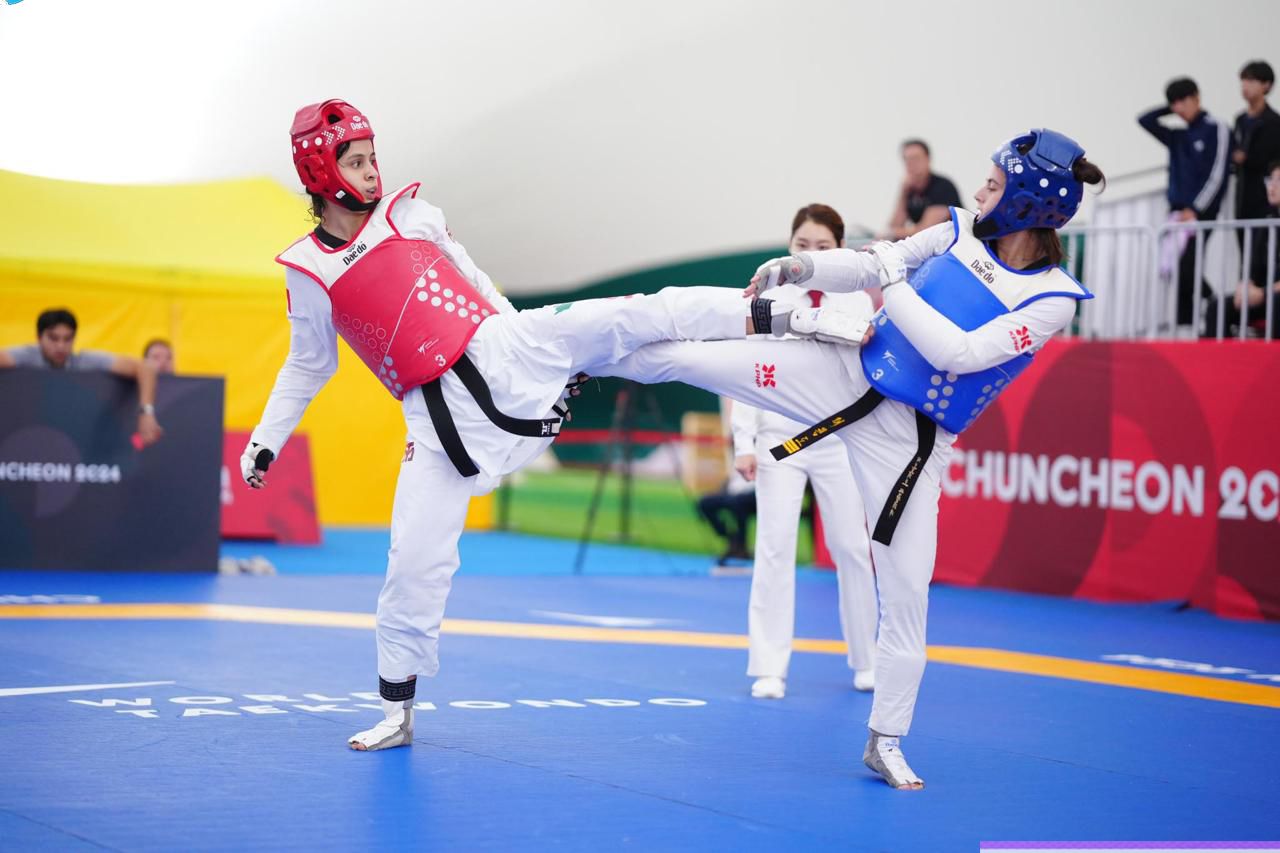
(771, 615)
(527, 357)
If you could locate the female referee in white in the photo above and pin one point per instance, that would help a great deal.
(780, 484)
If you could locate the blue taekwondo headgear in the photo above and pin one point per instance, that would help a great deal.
(1039, 191)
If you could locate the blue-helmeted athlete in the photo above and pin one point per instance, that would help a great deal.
(967, 304)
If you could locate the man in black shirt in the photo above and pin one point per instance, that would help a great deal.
(1263, 282)
(924, 198)
(1257, 141)
(1256, 138)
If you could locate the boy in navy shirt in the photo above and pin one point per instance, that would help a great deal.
(1198, 156)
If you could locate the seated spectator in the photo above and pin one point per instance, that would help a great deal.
(54, 350)
(159, 354)
(1254, 290)
(924, 198)
(1197, 177)
(727, 511)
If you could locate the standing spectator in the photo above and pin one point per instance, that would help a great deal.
(1257, 144)
(159, 354)
(1251, 295)
(54, 350)
(925, 198)
(1197, 176)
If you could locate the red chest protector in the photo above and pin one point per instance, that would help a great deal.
(398, 301)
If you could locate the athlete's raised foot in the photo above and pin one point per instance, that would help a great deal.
(884, 755)
(823, 324)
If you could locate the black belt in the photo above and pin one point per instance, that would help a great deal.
(859, 410)
(442, 419)
(926, 433)
(896, 505)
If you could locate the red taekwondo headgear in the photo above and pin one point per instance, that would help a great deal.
(318, 130)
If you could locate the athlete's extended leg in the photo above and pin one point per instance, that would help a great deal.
(804, 380)
(597, 332)
(426, 521)
(592, 332)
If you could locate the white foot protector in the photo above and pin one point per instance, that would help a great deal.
(864, 680)
(884, 755)
(769, 687)
(395, 730)
(834, 327)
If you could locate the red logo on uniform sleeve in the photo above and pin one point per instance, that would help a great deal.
(1021, 338)
(408, 452)
(765, 375)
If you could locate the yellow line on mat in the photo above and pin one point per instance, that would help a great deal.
(1023, 663)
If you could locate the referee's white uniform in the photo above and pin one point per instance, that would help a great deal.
(779, 493)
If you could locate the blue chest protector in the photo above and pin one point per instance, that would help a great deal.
(970, 287)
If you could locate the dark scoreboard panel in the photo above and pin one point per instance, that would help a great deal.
(77, 493)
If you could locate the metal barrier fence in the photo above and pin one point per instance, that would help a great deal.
(1136, 271)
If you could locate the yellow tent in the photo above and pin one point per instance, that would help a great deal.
(194, 263)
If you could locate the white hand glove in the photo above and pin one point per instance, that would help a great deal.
(833, 327)
(792, 269)
(893, 267)
(254, 463)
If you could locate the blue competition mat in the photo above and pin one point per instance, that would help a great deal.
(606, 711)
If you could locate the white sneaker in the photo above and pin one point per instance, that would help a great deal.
(884, 755)
(864, 680)
(769, 687)
(835, 327)
(395, 730)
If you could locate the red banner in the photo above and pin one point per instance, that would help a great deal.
(1125, 472)
(285, 512)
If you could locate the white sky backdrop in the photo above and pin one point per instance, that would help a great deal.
(572, 139)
